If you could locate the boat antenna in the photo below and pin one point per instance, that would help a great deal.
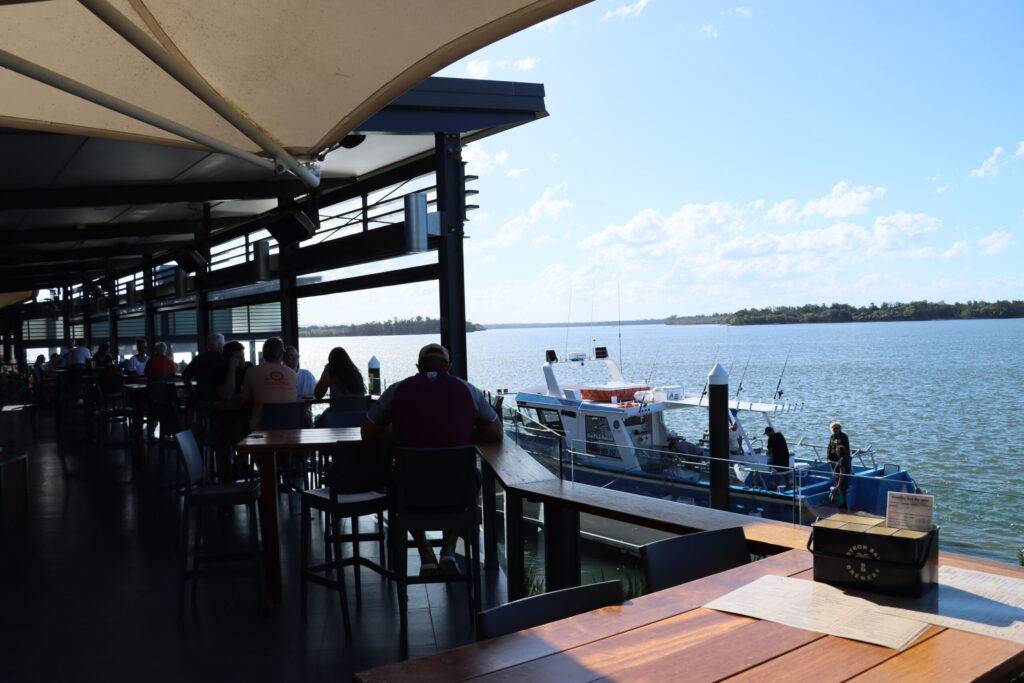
(739, 387)
(650, 376)
(593, 341)
(568, 320)
(778, 385)
(618, 295)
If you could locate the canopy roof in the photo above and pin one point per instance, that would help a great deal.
(76, 206)
(295, 75)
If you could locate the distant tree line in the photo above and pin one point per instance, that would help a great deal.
(845, 313)
(417, 325)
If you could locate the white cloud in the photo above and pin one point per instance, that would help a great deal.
(479, 160)
(783, 212)
(708, 30)
(484, 260)
(667, 233)
(843, 201)
(624, 11)
(553, 158)
(893, 231)
(478, 68)
(482, 68)
(741, 12)
(1020, 150)
(549, 206)
(543, 239)
(942, 189)
(959, 248)
(995, 243)
(516, 172)
(990, 167)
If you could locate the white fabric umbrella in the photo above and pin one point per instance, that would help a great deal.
(284, 80)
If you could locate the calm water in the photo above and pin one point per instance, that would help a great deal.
(940, 398)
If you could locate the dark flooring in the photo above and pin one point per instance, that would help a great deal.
(89, 580)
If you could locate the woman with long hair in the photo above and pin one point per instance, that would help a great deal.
(341, 376)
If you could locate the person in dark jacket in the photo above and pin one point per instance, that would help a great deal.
(778, 449)
(838, 438)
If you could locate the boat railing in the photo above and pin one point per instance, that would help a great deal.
(859, 453)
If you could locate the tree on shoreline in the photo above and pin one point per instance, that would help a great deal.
(417, 325)
(845, 313)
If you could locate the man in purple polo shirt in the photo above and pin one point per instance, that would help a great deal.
(433, 409)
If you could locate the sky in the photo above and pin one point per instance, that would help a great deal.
(704, 157)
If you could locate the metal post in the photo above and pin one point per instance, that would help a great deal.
(488, 500)
(87, 328)
(148, 295)
(202, 305)
(718, 434)
(67, 316)
(451, 203)
(19, 345)
(366, 214)
(289, 299)
(515, 547)
(8, 339)
(115, 350)
(561, 547)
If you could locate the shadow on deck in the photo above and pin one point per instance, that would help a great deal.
(88, 590)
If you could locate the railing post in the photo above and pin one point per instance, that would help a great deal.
(490, 514)
(515, 547)
(561, 547)
(718, 434)
(451, 204)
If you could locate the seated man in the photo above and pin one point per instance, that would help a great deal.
(78, 354)
(160, 365)
(269, 382)
(307, 383)
(207, 369)
(433, 409)
(137, 364)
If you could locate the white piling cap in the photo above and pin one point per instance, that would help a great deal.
(718, 376)
(374, 364)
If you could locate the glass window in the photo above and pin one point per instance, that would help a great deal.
(599, 437)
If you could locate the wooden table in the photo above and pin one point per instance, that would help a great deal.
(264, 447)
(668, 636)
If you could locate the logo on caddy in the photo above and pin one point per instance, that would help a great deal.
(857, 567)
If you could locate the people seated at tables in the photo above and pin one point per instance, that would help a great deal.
(136, 365)
(55, 363)
(341, 376)
(78, 353)
(235, 368)
(433, 409)
(102, 359)
(269, 382)
(160, 365)
(307, 383)
(207, 370)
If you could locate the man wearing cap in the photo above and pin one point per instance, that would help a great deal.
(778, 449)
(433, 409)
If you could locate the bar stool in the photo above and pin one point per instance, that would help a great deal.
(200, 496)
(356, 481)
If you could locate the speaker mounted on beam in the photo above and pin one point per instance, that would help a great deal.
(292, 225)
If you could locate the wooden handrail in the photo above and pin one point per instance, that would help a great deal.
(520, 474)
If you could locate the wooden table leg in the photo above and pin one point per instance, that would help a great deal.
(267, 463)
(490, 516)
(515, 547)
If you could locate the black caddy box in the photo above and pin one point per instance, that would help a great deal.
(859, 551)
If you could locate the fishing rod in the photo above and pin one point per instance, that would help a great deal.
(704, 391)
(739, 387)
(778, 385)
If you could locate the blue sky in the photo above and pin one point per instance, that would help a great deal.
(709, 156)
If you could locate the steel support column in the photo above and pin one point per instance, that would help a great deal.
(66, 316)
(8, 351)
(451, 203)
(147, 293)
(202, 305)
(115, 351)
(19, 346)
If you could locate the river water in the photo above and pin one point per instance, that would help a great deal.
(940, 398)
